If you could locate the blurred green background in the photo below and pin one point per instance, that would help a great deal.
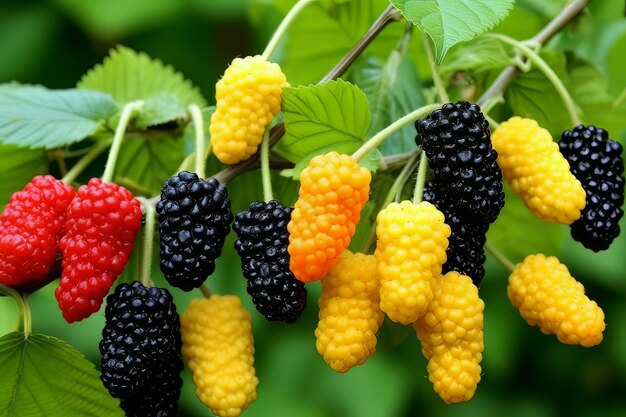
(525, 373)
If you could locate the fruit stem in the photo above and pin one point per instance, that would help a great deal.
(22, 302)
(441, 89)
(499, 256)
(206, 292)
(492, 123)
(84, 162)
(380, 137)
(569, 12)
(127, 113)
(198, 125)
(546, 70)
(148, 241)
(265, 167)
(421, 179)
(394, 191)
(282, 28)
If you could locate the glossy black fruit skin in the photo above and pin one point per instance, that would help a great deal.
(142, 327)
(194, 219)
(457, 142)
(262, 246)
(597, 162)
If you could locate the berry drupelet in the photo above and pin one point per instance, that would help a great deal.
(262, 245)
(457, 142)
(596, 161)
(194, 219)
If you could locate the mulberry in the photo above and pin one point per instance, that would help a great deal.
(333, 191)
(194, 219)
(219, 349)
(350, 314)
(412, 242)
(248, 97)
(140, 348)
(532, 164)
(262, 245)
(457, 143)
(546, 295)
(30, 227)
(102, 223)
(451, 334)
(596, 161)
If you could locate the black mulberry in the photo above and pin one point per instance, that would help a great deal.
(194, 219)
(262, 245)
(596, 161)
(457, 142)
(142, 326)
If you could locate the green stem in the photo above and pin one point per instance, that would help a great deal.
(22, 303)
(265, 167)
(492, 123)
(381, 136)
(546, 70)
(282, 28)
(491, 103)
(441, 90)
(421, 179)
(499, 256)
(146, 259)
(127, 113)
(620, 99)
(84, 162)
(206, 292)
(198, 124)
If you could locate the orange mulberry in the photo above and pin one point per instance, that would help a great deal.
(333, 191)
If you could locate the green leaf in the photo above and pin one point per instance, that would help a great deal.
(449, 22)
(44, 376)
(532, 95)
(475, 57)
(518, 233)
(322, 116)
(158, 109)
(149, 162)
(18, 167)
(128, 75)
(35, 117)
(322, 34)
(393, 90)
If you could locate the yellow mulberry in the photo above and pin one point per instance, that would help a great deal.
(350, 315)
(333, 191)
(532, 163)
(546, 295)
(451, 334)
(219, 349)
(411, 248)
(248, 97)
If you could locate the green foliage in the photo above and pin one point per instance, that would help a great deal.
(35, 117)
(449, 22)
(319, 37)
(476, 56)
(518, 233)
(393, 89)
(18, 167)
(159, 109)
(129, 76)
(318, 116)
(70, 385)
